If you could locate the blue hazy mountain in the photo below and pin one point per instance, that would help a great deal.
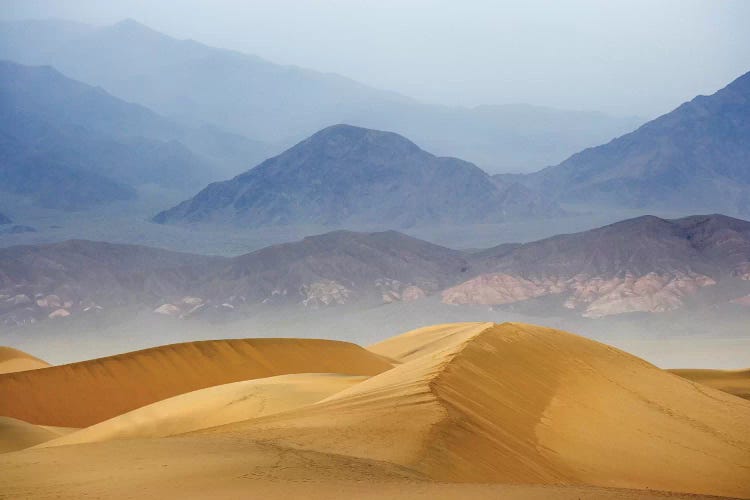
(694, 158)
(197, 84)
(66, 144)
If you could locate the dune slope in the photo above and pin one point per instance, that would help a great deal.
(13, 360)
(213, 406)
(524, 404)
(736, 382)
(85, 393)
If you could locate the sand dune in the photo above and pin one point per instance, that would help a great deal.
(85, 393)
(215, 406)
(516, 403)
(735, 382)
(528, 412)
(16, 434)
(13, 360)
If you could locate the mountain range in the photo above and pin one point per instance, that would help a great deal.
(197, 84)
(66, 144)
(696, 157)
(646, 265)
(347, 176)
(643, 264)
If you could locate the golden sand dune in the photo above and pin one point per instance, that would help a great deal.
(516, 403)
(735, 382)
(85, 393)
(16, 434)
(13, 360)
(213, 406)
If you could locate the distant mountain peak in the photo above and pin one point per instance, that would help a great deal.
(344, 176)
(131, 25)
(343, 139)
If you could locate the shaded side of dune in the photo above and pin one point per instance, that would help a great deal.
(82, 394)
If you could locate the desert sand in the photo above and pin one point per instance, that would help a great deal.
(85, 393)
(215, 406)
(735, 382)
(13, 360)
(470, 410)
(17, 435)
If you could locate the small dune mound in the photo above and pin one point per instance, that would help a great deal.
(516, 403)
(214, 406)
(13, 360)
(85, 393)
(736, 382)
(17, 435)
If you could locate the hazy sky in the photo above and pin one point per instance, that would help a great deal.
(629, 57)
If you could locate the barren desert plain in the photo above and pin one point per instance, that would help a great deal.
(463, 410)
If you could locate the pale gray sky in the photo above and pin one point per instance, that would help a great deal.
(628, 57)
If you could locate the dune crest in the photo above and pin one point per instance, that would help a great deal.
(13, 360)
(525, 404)
(85, 393)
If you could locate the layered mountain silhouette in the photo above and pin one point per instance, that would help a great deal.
(345, 175)
(696, 157)
(66, 144)
(646, 265)
(195, 83)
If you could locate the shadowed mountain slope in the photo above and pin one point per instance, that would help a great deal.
(695, 157)
(345, 175)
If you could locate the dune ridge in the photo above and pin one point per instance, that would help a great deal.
(13, 360)
(736, 382)
(517, 403)
(82, 394)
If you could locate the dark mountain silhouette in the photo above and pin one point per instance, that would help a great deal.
(696, 157)
(195, 83)
(345, 175)
(68, 145)
(4, 219)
